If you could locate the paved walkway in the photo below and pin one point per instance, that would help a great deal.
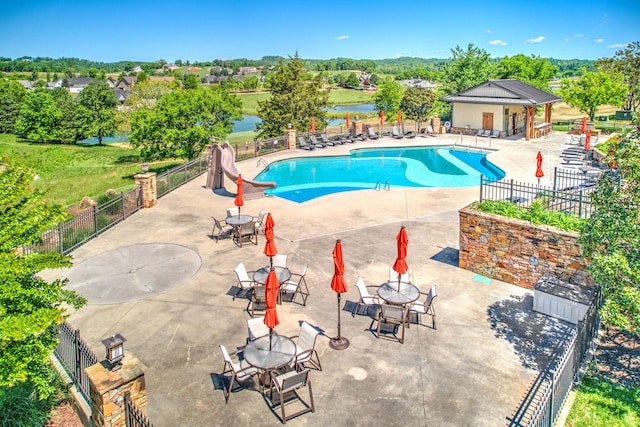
(472, 371)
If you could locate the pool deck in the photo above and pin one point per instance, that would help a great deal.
(472, 371)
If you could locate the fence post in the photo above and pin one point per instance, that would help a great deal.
(94, 211)
(76, 347)
(481, 184)
(580, 203)
(60, 240)
(124, 213)
(511, 190)
(555, 178)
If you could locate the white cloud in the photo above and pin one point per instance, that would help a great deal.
(342, 37)
(617, 46)
(489, 31)
(575, 36)
(599, 40)
(498, 43)
(535, 41)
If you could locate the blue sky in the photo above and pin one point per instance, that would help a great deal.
(146, 30)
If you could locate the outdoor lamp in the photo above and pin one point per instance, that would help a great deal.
(115, 350)
(289, 126)
(145, 167)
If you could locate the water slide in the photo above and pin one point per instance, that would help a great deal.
(224, 163)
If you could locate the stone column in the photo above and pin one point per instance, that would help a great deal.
(147, 181)
(210, 165)
(107, 389)
(436, 124)
(290, 134)
(357, 127)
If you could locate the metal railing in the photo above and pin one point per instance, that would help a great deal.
(133, 415)
(75, 355)
(173, 178)
(543, 403)
(69, 235)
(573, 199)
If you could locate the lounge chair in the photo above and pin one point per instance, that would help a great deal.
(326, 140)
(373, 134)
(486, 133)
(303, 144)
(410, 134)
(495, 133)
(316, 143)
(430, 131)
(395, 133)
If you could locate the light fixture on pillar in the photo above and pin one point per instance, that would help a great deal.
(145, 167)
(289, 126)
(115, 350)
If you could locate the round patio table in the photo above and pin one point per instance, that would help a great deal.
(405, 293)
(238, 220)
(260, 354)
(260, 276)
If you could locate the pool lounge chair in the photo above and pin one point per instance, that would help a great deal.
(430, 131)
(395, 133)
(373, 134)
(303, 144)
(317, 143)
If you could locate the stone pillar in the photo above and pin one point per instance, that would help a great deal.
(436, 124)
(147, 181)
(210, 166)
(107, 389)
(290, 134)
(357, 127)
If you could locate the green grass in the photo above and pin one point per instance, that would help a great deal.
(70, 172)
(536, 214)
(600, 403)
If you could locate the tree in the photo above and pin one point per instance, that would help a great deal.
(190, 81)
(611, 237)
(296, 97)
(183, 121)
(532, 70)
(593, 90)
(143, 94)
(67, 130)
(352, 81)
(12, 94)
(38, 117)
(97, 110)
(626, 62)
(467, 69)
(417, 103)
(388, 97)
(250, 83)
(30, 307)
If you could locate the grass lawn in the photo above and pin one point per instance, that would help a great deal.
(601, 403)
(71, 172)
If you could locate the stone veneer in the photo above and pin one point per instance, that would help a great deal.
(517, 251)
(107, 389)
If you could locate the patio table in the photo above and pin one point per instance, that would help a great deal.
(403, 294)
(260, 354)
(282, 273)
(236, 221)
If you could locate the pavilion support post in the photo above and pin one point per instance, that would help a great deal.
(531, 114)
(547, 113)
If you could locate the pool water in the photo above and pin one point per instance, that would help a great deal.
(305, 178)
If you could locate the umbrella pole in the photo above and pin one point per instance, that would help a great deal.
(340, 342)
(270, 336)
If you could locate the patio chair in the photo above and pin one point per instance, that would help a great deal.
(315, 143)
(290, 383)
(303, 144)
(297, 285)
(305, 347)
(373, 134)
(479, 132)
(244, 282)
(393, 276)
(410, 134)
(314, 140)
(240, 371)
(486, 133)
(280, 260)
(259, 221)
(220, 228)
(234, 211)
(256, 328)
(326, 140)
(246, 233)
(395, 316)
(366, 299)
(495, 133)
(426, 307)
(258, 300)
(395, 133)
(430, 131)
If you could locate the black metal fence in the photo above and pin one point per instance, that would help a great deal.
(75, 355)
(571, 192)
(543, 403)
(173, 178)
(90, 223)
(133, 415)
(259, 148)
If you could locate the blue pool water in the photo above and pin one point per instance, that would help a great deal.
(303, 179)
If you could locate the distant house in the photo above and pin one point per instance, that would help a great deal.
(365, 79)
(126, 82)
(73, 84)
(210, 80)
(418, 83)
(161, 78)
(170, 67)
(28, 85)
(505, 105)
(121, 94)
(247, 70)
(137, 69)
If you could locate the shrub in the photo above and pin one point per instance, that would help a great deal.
(536, 214)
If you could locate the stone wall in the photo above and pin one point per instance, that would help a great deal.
(517, 251)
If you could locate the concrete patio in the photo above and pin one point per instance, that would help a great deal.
(472, 370)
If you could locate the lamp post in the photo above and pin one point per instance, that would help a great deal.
(115, 350)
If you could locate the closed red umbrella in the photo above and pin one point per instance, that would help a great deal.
(272, 288)
(347, 124)
(399, 116)
(313, 126)
(382, 117)
(400, 266)
(587, 141)
(339, 285)
(270, 249)
(239, 200)
(539, 172)
(584, 125)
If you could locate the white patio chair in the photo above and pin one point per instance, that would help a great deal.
(289, 383)
(297, 285)
(220, 228)
(256, 328)
(305, 347)
(366, 299)
(241, 371)
(426, 307)
(393, 276)
(235, 211)
(394, 315)
(245, 283)
(280, 260)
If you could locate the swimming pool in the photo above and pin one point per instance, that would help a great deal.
(304, 178)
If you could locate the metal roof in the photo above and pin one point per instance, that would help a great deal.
(509, 91)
